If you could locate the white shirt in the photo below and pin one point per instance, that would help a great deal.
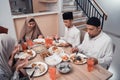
(100, 47)
(72, 36)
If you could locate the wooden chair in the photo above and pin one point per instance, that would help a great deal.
(82, 34)
(3, 30)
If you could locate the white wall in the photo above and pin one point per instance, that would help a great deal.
(112, 8)
(61, 23)
(6, 18)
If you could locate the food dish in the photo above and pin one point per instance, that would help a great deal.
(39, 40)
(38, 68)
(64, 67)
(64, 56)
(53, 60)
(78, 58)
(39, 48)
(55, 49)
(45, 54)
(27, 53)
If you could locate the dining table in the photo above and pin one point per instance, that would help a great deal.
(78, 72)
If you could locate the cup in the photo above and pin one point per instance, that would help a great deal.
(24, 46)
(29, 43)
(48, 41)
(90, 64)
(52, 73)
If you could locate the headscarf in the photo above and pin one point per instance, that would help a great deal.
(6, 47)
(25, 30)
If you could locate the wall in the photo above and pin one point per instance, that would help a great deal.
(6, 18)
(112, 8)
(48, 24)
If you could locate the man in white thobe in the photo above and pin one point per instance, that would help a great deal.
(96, 43)
(72, 34)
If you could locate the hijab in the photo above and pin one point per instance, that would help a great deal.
(25, 30)
(6, 47)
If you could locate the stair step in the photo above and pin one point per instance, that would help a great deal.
(64, 1)
(79, 21)
(81, 26)
(68, 3)
(77, 14)
(69, 8)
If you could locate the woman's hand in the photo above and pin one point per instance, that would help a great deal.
(16, 50)
(21, 63)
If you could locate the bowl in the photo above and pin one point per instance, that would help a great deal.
(64, 67)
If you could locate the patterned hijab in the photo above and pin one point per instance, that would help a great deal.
(6, 47)
(25, 30)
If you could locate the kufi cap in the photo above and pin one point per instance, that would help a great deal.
(93, 21)
(67, 16)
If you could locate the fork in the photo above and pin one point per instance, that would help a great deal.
(31, 76)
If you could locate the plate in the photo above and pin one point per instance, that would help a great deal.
(53, 60)
(38, 48)
(28, 53)
(39, 40)
(59, 42)
(64, 67)
(55, 49)
(78, 59)
(39, 67)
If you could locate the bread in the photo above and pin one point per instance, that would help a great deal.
(33, 65)
(29, 52)
(54, 48)
(45, 54)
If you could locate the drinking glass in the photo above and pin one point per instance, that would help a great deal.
(90, 64)
(24, 46)
(48, 41)
(29, 43)
(52, 73)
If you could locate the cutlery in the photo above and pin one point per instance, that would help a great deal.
(76, 53)
(34, 71)
(56, 40)
(27, 68)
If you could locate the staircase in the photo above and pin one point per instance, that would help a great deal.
(79, 17)
(82, 10)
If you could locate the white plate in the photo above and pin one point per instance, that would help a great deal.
(57, 51)
(42, 69)
(53, 60)
(23, 55)
(82, 61)
(39, 40)
(59, 42)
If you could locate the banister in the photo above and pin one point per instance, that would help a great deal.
(101, 9)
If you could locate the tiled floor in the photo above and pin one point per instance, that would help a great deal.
(115, 65)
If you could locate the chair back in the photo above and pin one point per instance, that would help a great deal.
(82, 34)
(3, 30)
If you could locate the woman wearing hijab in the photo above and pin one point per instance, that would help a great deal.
(30, 30)
(7, 53)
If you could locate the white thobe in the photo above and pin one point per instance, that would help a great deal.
(72, 36)
(100, 47)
